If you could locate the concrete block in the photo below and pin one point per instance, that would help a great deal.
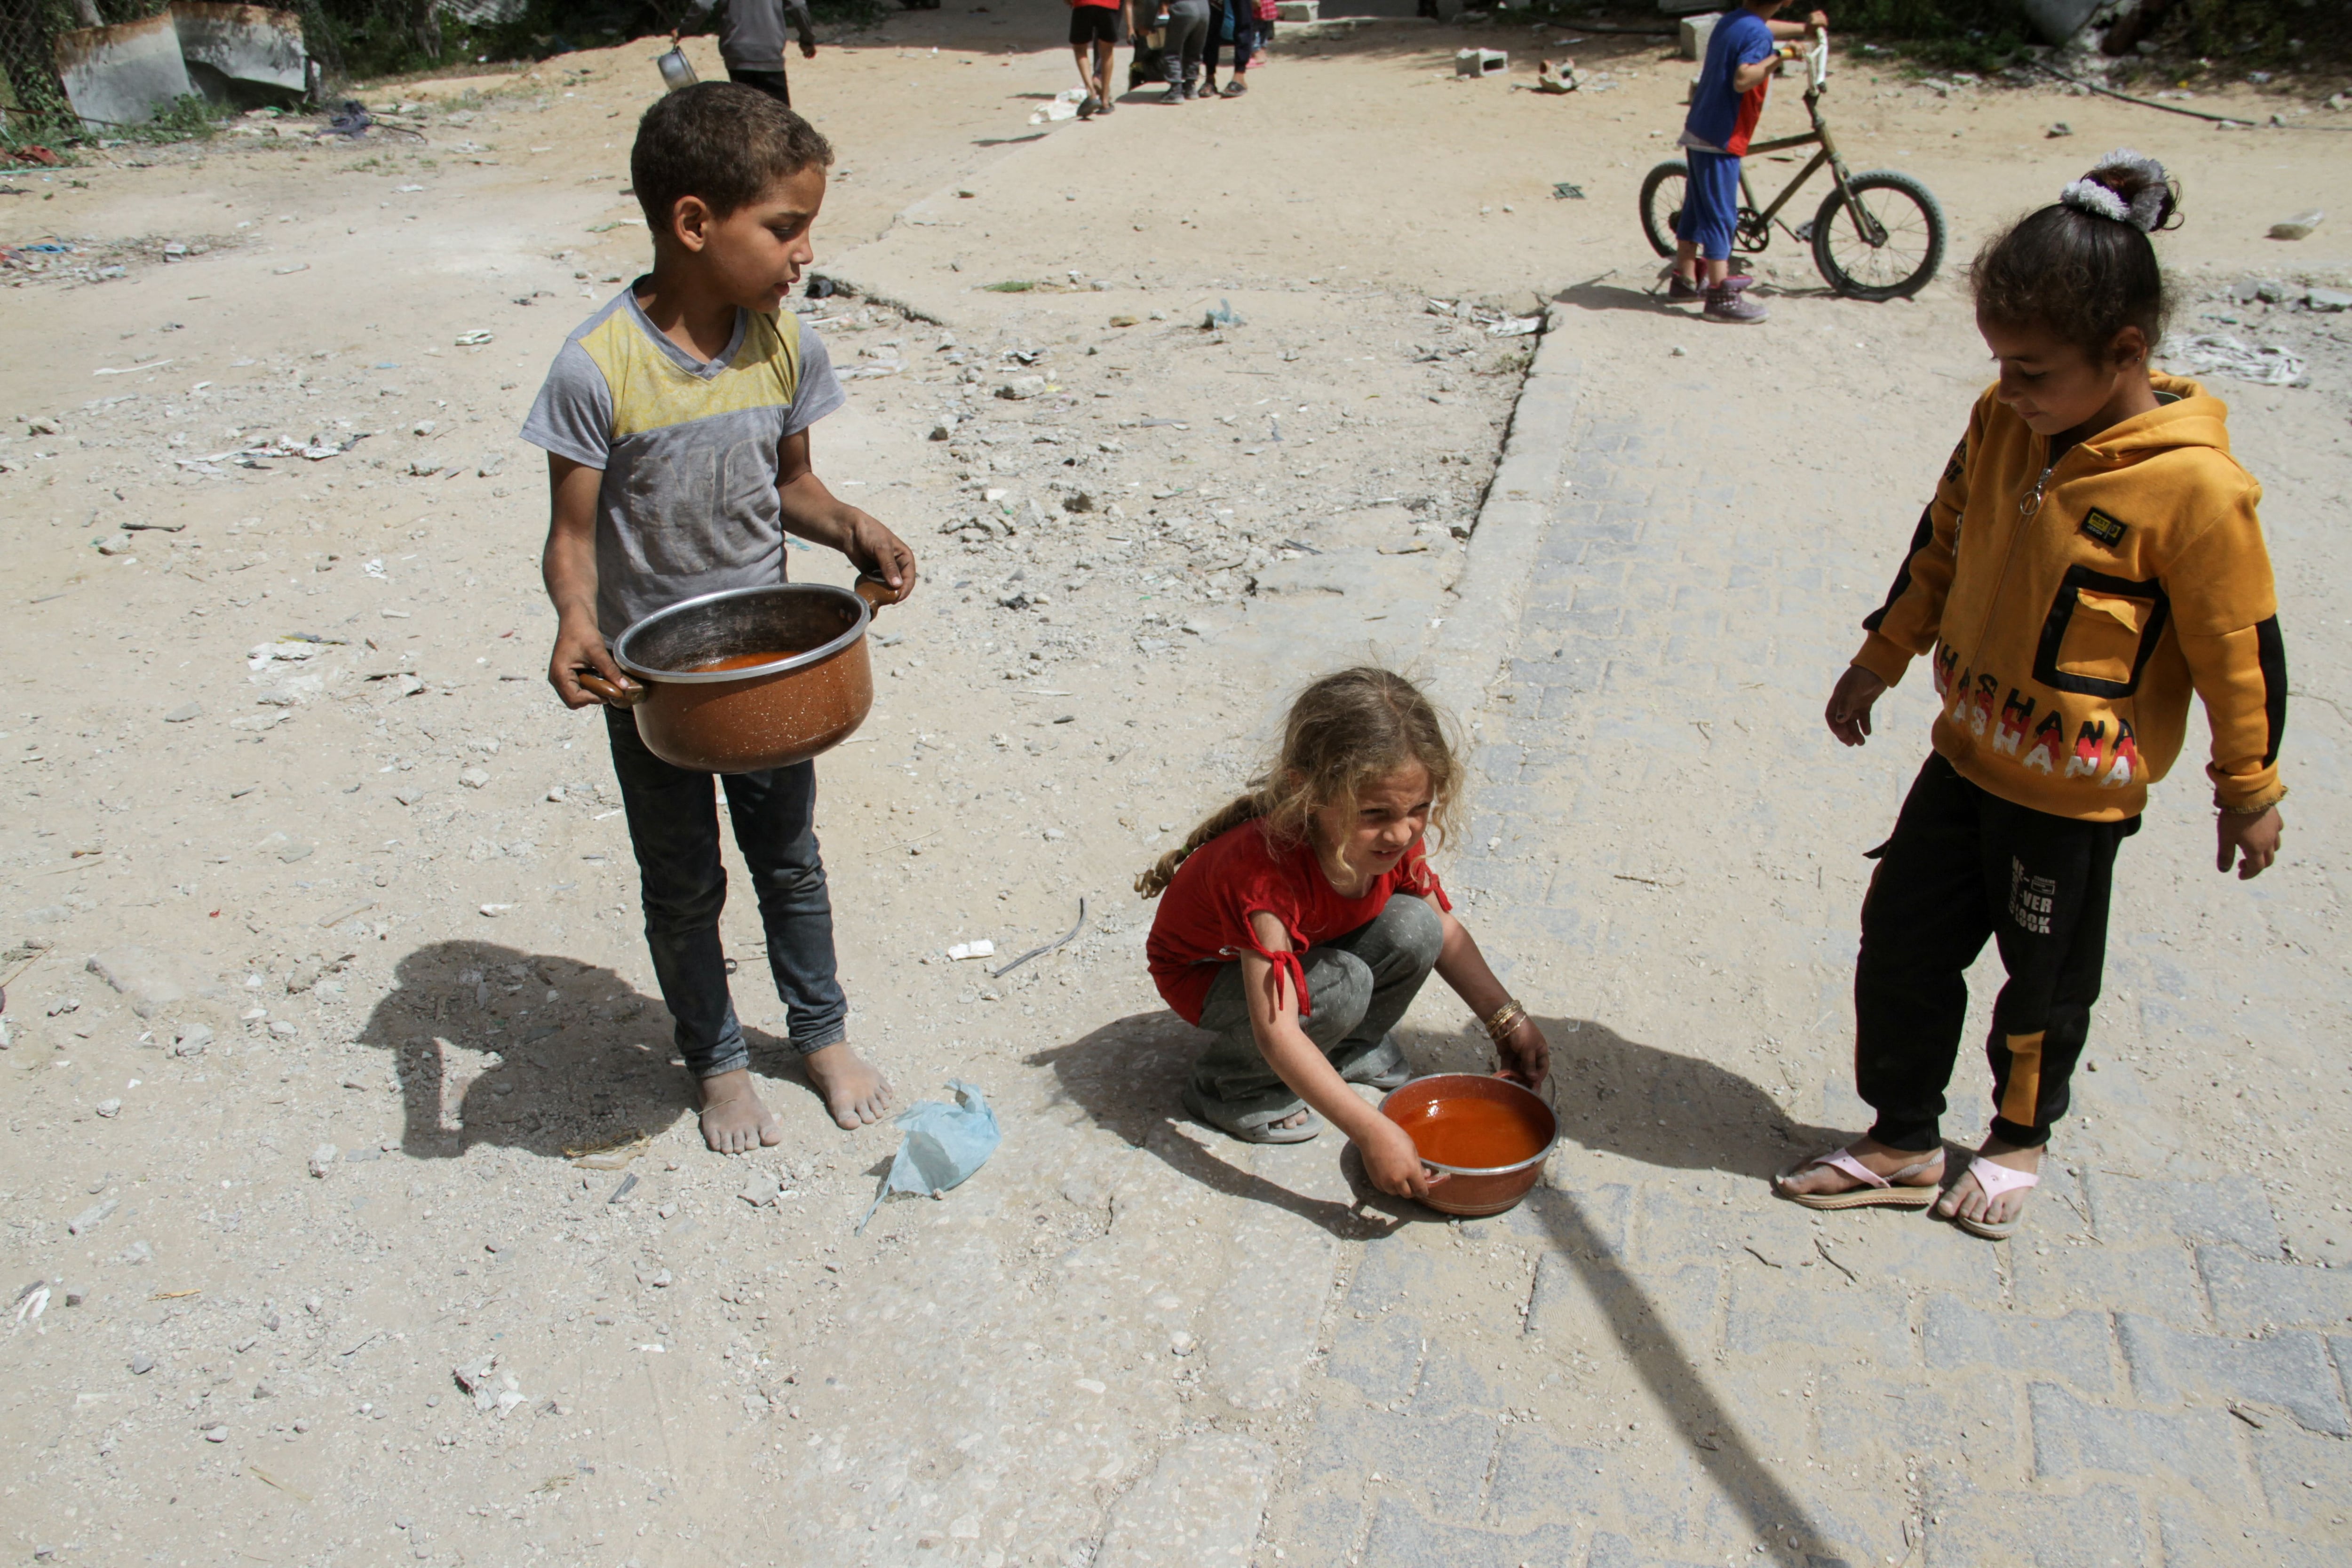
(2289, 1370)
(2263, 1293)
(2160, 1281)
(1772, 1313)
(1450, 1385)
(2098, 1528)
(1588, 1221)
(1298, 11)
(1978, 1424)
(2307, 1482)
(1393, 1268)
(2074, 1349)
(1380, 1357)
(1537, 1479)
(1317, 1527)
(2188, 1543)
(1481, 62)
(1402, 1539)
(2138, 1211)
(1611, 1550)
(1438, 1467)
(2196, 1448)
(1200, 1504)
(1914, 1257)
(1580, 1301)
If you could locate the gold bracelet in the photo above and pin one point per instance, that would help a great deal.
(1506, 1018)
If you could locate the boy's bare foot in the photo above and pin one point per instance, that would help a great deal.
(1298, 1118)
(734, 1120)
(855, 1090)
(1966, 1199)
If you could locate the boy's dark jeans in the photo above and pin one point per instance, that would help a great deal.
(1964, 865)
(674, 827)
(773, 83)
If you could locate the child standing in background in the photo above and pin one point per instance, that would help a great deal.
(1743, 54)
(1300, 921)
(2092, 555)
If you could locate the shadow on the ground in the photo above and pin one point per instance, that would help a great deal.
(1127, 1076)
(1655, 1106)
(590, 1068)
(1604, 296)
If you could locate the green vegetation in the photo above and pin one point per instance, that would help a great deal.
(1010, 286)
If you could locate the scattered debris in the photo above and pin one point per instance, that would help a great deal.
(943, 1146)
(1066, 937)
(2299, 226)
(2264, 365)
(983, 948)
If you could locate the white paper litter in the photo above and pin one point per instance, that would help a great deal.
(983, 948)
(2264, 366)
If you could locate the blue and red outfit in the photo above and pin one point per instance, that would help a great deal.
(1717, 131)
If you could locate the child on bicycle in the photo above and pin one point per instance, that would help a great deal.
(2092, 555)
(1746, 50)
(1301, 919)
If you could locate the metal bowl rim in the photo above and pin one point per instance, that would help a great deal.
(750, 672)
(1538, 1158)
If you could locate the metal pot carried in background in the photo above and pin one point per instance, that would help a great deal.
(749, 678)
(677, 70)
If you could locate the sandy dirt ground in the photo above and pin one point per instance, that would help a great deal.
(338, 1037)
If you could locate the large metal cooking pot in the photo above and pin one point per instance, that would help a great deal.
(768, 713)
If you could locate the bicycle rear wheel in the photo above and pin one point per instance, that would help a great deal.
(1662, 204)
(1890, 246)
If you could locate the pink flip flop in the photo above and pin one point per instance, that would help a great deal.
(1876, 1192)
(1993, 1180)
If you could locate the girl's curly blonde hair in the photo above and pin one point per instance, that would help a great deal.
(1345, 733)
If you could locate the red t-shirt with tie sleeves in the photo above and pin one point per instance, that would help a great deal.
(1204, 923)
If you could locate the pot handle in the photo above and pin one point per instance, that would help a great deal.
(876, 594)
(614, 695)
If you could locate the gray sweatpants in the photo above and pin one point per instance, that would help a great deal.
(1186, 36)
(1358, 984)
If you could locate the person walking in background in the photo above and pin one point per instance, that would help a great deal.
(752, 40)
(1185, 31)
(1234, 24)
(1094, 35)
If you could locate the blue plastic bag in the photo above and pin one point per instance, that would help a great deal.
(944, 1145)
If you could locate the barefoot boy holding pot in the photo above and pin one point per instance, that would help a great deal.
(676, 421)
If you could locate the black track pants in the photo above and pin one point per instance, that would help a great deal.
(1964, 865)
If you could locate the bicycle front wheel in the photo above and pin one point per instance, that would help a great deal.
(1886, 244)
(1662, 194)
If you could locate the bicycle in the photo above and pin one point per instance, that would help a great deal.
(1891, 239)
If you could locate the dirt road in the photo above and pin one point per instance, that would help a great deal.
(281, 760)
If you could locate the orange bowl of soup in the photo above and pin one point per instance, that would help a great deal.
(1489, 1136)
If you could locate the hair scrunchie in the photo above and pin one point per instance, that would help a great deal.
(2144, 211)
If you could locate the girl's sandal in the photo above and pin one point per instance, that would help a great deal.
(1993, 1179)
(1263, 1131)
(1898, 1191)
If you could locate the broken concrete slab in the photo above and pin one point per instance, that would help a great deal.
(124, 74)
(247, 55)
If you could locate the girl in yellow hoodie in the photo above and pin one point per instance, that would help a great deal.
(2092, 555)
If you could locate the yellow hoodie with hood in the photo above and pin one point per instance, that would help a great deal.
(2071, 609)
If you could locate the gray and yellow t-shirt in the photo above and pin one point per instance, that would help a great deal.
(688, 450)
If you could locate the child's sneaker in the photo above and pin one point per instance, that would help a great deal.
(1732, 306)
(1681, 290)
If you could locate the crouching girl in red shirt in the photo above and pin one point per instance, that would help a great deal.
(1301, 919)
